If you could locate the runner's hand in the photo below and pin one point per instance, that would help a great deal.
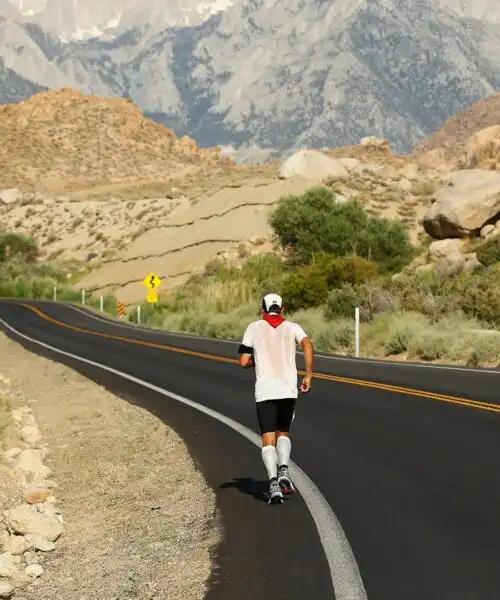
(306, 384)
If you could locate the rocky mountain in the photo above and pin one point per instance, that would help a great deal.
(263, 73)
(84, 19)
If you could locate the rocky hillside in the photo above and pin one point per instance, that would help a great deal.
(61, 142)
(124, 196)
(146, 201)
(268, 74)
(450, 142)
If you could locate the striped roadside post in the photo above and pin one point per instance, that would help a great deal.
(121, 309)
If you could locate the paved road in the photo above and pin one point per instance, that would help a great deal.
(408, 458)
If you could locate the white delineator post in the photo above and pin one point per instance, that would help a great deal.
(83, 296)
(55, 294)
(138, 314)
(356, 332)
(102, 304)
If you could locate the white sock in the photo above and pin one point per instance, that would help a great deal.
(270, 459)
(283, 449)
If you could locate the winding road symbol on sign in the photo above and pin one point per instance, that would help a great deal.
(152, 281)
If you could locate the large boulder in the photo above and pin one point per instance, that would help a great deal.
(467, 201)
(311, 164)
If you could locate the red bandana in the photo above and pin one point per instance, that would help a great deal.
(273, 320)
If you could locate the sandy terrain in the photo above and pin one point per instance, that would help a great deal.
(123, 479)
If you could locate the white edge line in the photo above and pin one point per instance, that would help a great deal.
(324, 356)
(344, 571)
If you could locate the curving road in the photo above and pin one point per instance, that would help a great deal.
(398, 466)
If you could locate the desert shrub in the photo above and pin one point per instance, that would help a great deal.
(263, 267)
(314, 223)
(349, 269)
(308, 285)
(394, 333)
(485, 350)
(266, 272)
(15, 246)
(305, 287)
(489, 252)
(337, 337)
(431, 345)
(341, 302)
(480, 297)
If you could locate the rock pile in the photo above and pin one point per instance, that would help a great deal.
(28, 530)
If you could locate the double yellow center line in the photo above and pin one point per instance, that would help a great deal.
(488, 406)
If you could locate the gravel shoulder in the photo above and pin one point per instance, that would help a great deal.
(139, 520)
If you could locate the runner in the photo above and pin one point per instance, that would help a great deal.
(270, 345)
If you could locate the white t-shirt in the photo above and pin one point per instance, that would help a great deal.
(274, 356)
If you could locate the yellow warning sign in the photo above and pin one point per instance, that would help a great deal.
(152, 282)
(152, 297)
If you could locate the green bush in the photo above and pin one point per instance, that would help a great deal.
(489, 252)
(14, 246)
(349, 269)
(341, 302)
(305, 287)
(314, 223)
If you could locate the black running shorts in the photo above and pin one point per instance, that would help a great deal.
(275, 415)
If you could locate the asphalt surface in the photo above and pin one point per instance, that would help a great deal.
(413, 475)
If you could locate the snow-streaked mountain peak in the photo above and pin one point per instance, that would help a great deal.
(83, 19)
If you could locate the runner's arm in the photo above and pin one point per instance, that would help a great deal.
(308, 349)
(246, 350)
(307, 346)
(246, 357)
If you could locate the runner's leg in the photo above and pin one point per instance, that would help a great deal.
(267, 412)
(286, 408)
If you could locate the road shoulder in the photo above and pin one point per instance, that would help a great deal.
(139, 518)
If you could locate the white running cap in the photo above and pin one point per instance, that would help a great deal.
(272, 303)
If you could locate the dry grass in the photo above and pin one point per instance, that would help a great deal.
(138, 516)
